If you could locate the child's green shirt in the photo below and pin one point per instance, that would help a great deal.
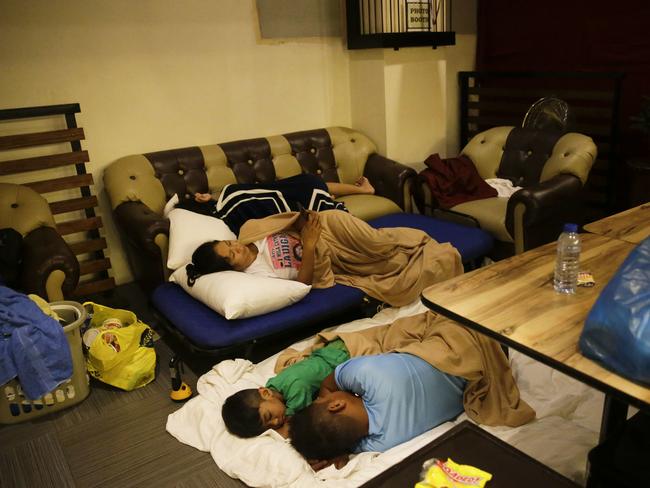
(300, 382)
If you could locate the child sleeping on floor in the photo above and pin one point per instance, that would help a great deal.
(249, 412)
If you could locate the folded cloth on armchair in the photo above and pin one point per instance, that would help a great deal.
(393, 265)
(491, 396)
(453, 181)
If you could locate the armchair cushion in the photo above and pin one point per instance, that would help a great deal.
(367, 207)
(490, 213)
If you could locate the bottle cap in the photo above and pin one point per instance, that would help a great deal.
(570, 227)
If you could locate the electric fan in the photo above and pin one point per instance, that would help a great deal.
(548, 113)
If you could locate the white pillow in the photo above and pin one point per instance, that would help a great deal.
(237, 295)
(188, 230)
(169, 206)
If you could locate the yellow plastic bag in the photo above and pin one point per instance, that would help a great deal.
(122, 352)
(448, 474)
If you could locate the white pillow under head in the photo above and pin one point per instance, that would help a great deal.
(188, 230)
(237, 295)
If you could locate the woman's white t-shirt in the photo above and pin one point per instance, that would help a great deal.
(279, 256)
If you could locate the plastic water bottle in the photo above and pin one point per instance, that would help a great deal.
(567, 261)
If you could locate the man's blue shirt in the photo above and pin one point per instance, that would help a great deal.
(403, 395)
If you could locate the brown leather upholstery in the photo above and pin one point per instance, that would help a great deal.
(551, 167)
(47, 258)
(139, 185)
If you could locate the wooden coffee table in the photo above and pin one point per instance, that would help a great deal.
(632, 225)
(467, 443)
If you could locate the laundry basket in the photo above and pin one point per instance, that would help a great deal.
(16, 407)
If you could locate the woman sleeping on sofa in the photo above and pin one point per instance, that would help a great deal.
(393, 265)
(240, 202)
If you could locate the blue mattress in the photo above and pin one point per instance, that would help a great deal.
(206, 329)
(471, 242)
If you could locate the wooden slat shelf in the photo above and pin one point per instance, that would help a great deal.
(41, 138)
(65, 183)
(81, 225)
(85, 247)
(73, 204)
(42, 162)
(94, 266)
(91, 287)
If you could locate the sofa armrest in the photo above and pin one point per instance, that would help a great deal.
(44, 252)
(535, 214)
(141, 228)
(391, 179)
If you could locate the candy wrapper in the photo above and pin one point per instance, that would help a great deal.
(448, 474)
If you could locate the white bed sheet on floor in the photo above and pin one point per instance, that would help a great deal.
(566, 427)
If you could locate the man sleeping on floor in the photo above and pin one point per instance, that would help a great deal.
(415, 373)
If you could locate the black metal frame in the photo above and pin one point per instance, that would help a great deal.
(357, 40)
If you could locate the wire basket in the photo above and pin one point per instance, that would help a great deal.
(16, 407)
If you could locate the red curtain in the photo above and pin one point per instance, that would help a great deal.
(572, 35)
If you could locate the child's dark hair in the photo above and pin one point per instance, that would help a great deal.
(316, 434)
(204, 261)
(241, 414)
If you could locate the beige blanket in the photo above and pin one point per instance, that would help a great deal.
(392, 265)
(491, 395)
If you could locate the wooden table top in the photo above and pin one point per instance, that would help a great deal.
(514, 302)
(632, 225)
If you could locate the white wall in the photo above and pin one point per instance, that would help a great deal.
(407, 100)
(159, 74)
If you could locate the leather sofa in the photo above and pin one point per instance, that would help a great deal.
(49, 267)
(551, 168)
(139, 185)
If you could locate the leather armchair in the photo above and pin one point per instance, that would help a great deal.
(550, 167)
(49, 268)
(139, 185)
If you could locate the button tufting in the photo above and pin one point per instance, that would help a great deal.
(187, 196)
(529, 152)
(14, 205)
(353, 140)
(565, 154)
(132, 177)
(482, 141)
(313, 150)
(250, 161)
(181, 172)
(319, 171)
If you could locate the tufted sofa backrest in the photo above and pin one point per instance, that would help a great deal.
(529, 156)
(334, 153)
(23, 209)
